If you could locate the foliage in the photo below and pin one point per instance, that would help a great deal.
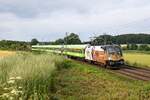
(72, 39)
(124, 39)
(48, 77)
(140, 47)
(86, 82)
(34, 41)
(144, 47)
(133, 38)
(59, 41)
(132, 47)
(102, 40)
(14, 45)
(25, 76)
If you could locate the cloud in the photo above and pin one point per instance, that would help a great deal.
(50, 19)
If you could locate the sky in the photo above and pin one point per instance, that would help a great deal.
(48, 20)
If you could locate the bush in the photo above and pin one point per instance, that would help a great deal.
(144, 47)
(14, 45)
(133, 47)
(130, 47)
(65, 64)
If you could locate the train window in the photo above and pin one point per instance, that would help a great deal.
(114, 49)
(118, 50)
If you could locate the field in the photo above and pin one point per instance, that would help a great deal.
(140, 59)
(40, 76)
(6, 53)
(26, 76)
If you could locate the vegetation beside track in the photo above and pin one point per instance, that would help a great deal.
(42, 76)
(86, 82)
(137, 58)
(27, 76)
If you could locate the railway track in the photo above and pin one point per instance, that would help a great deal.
(131, 72)
(135, 72)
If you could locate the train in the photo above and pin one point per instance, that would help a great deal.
(106, 55)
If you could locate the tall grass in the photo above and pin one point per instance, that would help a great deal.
(137, 59)
(29, 76)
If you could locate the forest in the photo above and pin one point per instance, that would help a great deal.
(130, 39)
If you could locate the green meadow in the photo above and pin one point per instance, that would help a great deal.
(42, 76)
(27, 76)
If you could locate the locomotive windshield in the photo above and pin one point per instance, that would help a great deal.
(114, 50)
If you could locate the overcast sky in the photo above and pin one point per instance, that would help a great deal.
(49, 19)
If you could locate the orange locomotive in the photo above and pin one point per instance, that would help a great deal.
(108, 55)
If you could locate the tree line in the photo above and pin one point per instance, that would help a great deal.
(123, 39)
(106, 39)
(130, 39)
(140, 47)
(15, 45)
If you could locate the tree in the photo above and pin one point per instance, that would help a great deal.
(14, 45)
(59, 41)
(123, 39)
(34, 41)
(102, 40)
(134, 47)
(72, 39)
(144, 47)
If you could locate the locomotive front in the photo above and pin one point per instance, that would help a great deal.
(114, 55)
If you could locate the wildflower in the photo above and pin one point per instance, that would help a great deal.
(5, 95)
(11, 81)
(6, 88)
(20, 92)
(12, 78)
(11, 98)
(19, 87)
(14, 92)
(18, 78)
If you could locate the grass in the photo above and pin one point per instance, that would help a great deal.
(85, 82)
(27, 76)
(40, 76)
(6, 53)
(140, 59)
(136, 51)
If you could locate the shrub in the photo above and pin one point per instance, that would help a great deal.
(61, 65)
(144, 47)
(133, 47)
